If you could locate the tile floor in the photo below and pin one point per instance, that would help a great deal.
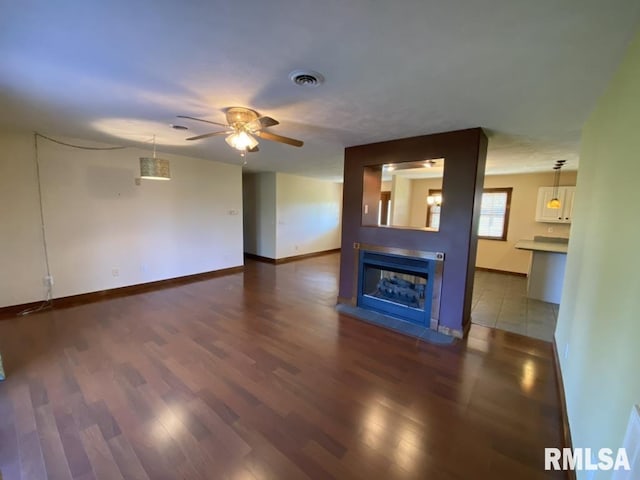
(500, 301)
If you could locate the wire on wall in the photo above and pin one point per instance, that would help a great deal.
(48, 302)
(81, 147)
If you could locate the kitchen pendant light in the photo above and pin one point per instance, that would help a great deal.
(154, 168)
(555, 202)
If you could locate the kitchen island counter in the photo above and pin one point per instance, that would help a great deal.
(546, 273)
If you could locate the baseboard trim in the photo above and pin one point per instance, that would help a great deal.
(506, 272)
(279, 261)
(566, 430)
(91, 297)
(260, 258)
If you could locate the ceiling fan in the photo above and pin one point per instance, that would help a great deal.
(243, 125)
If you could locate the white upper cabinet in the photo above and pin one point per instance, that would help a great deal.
(555, 215)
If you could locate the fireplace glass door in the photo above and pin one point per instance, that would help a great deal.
(398, 286)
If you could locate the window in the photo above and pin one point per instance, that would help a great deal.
(494, 213)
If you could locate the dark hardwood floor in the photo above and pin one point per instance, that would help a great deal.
(256, 376)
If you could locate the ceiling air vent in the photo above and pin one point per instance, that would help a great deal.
(306, 78)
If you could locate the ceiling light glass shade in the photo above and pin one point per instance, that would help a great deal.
(434, 200)
(553, 203)
(241, 141)
(154, 168)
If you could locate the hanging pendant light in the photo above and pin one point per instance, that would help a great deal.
(154, 168)
(555, 203)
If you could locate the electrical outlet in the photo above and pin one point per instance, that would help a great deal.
(366, 209)
(115, 272)
(47, 280)
(233, 211)
(296, 248)
(143, 268)
(550, 230)
(566, 351)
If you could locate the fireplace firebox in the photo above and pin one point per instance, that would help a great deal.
(398, 285)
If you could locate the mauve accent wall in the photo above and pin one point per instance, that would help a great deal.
(464, 152)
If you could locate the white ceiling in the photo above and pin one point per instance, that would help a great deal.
(529, 72)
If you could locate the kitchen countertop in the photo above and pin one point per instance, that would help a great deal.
(542, 246)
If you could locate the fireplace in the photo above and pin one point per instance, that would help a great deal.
(401, 284)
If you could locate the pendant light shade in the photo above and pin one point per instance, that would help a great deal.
(154, 168)
(555, 202)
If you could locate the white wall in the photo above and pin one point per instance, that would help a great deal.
(259, 194)
(22, 264)
(598, 327)
(97, 220)
(308, 215)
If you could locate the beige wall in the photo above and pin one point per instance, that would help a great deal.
(495, 254)
(420, 191)
(400, 201)
(259, 213)
(309, 215)
(288, 215)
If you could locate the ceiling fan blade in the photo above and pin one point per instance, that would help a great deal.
(261, 122)
(201, 120)
(279, 138)
(207, 135)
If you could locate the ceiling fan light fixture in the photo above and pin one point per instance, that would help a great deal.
(243, 125)
(241, 141)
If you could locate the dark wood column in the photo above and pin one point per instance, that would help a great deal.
(464, 152)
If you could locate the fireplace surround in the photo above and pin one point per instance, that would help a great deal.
(464, 152)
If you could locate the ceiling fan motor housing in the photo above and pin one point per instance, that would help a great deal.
(237, 116)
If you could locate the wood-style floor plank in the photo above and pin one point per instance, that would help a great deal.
(255, 375)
